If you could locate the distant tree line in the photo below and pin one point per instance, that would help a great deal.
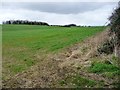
(25, 22)
(70, 25)
(34, 23)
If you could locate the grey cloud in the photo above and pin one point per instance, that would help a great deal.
(57, 7)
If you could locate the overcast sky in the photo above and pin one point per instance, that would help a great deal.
(58, 13)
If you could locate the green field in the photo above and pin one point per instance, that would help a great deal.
(22, 42)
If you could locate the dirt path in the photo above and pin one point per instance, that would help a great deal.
(53, 68)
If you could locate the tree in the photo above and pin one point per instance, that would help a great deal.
(115, 29)
(69, 25)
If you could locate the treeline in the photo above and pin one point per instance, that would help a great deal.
(25, 22)
(69, 25)
(34, 23)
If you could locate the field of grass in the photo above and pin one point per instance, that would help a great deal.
(22, 42)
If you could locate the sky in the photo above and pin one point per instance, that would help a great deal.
(59, 13)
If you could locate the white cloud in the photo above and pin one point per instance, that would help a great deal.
(94, 17)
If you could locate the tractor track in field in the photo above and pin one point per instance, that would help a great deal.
(53, 68)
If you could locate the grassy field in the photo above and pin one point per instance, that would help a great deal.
(22, 42)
